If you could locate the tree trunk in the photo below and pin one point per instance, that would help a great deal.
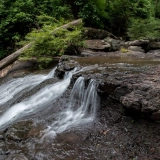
(12, 57)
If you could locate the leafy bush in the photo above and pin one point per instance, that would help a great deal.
(123, 50)
(18, 17)
(47, 44)
(157, 10)
(92, 12)
(144, 28)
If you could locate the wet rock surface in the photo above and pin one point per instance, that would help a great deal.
(127, 125)
(65, 65)
(133, 82)
(138, 92)
(113, 135)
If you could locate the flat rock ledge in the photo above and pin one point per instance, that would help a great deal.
(112, 44)
(139, 93)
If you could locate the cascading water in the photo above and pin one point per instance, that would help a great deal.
(12, 87)
(45, 95)
(82, 108)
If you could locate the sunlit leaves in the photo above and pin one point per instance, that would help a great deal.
(49, 45)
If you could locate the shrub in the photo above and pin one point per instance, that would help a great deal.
(123, 50)
(144, 28)
(47, 45)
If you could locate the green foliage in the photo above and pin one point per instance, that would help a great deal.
(157, 10)
(92, 11)
(18, 17)
(47, 44)
(144, 28)
(118, 14)
(142, 8)
(123, 50)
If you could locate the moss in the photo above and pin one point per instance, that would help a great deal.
(124, 50)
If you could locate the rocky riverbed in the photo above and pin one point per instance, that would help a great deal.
(127, 124)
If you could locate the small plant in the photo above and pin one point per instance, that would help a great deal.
(124, 50)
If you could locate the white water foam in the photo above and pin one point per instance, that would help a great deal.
(82, 108)
(14, 86)
(45, 95)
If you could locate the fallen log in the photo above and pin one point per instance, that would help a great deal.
(12, 57)
(68, 25)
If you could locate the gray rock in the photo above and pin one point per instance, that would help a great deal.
(138, 42)
(120, 91)
(115, 44)
(97, 45)
(156, 116)
(65, 65)
(94, 33)
(136, 48)
(16, 157)
(154, 45)
(132, 101)
(135, 91)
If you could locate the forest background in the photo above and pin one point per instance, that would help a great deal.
(23, 21)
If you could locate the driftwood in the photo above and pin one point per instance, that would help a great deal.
(12, 57)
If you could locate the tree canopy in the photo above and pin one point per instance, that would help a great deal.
(124, 18)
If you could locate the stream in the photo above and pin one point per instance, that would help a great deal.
(60, 121)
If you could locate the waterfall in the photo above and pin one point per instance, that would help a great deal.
(81, 109)
(45, 95)
(15, 86)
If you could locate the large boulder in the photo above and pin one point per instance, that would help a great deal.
(136, 48)
(114, 43)
(93, 33)
(154, 45)
(145, 44)
(141, 45)
(64, 66)
(140, 42)
(97, 45)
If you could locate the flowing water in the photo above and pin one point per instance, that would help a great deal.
(81, 109)
(14, 86)
(83, 100)
(119, 64)
(38, 100)
(60, 123)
